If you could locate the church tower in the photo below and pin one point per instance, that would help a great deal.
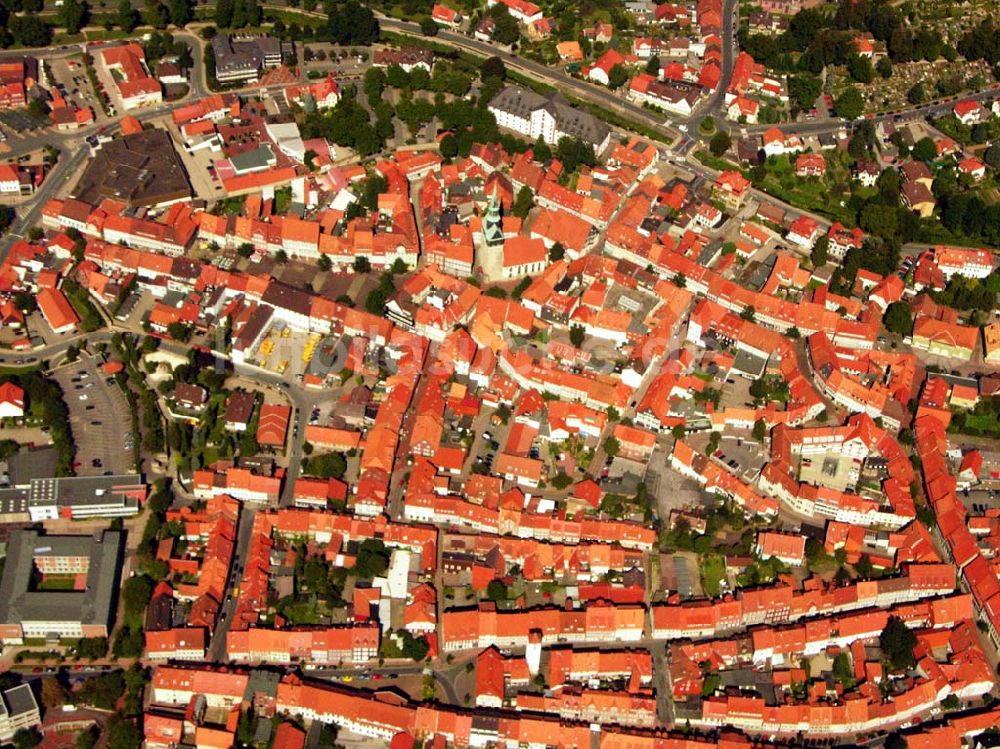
(493, 222)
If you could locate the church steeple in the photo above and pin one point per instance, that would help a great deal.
(493, 222)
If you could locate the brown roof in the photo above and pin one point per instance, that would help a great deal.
(239, 407)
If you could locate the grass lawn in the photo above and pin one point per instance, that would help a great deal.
(811, 193)
(282, 199)
(57, 582)
(302, 612)
(712, 569)
(708, 159)
(982, 423)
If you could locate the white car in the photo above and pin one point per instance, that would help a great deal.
(83, 397)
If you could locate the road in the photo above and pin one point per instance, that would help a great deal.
(216, 650)
(818, 127)
(715, 104)
(444, 676)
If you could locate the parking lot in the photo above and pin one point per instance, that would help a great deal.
(741, 455)
(71, 75)
(99, 418)
(838, 472)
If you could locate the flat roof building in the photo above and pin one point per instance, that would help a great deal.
(43, 499)
(142, 169)
(244, 59)
(88, 610)
(18, 710)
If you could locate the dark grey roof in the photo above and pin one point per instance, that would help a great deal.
(20, 700)
(521, 102)
(13, 501)
(93, 605)
(262, 682)
(140, 169)
(243, 55)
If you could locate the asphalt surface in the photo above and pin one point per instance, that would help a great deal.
(216, 650)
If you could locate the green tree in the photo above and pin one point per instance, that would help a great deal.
(375, 302)
(898, 318)
(884, 67)
(155, 14)
(126, 17)
(573, 153)
(87, 739)
(720, 143)
(180, 12)
(122, 733)
(101, 691)
(804, 89)
(760, 430)
(506, 31)
(860, 69)
(72, 15)
(449, 146)
(842, 668)
(25, 301)
(37, 110)
(820, 251)
(92, 648)
(374, 84)
(493, 67)
(577, 335)
(523, 202)
(30, 31)
(179, 331)
(916, 95)
(541, 151)
(924, 150)
(561, 481)
(617, 76)
(373, 559)
(611, 447)
(864, 566)
(881, 220)
(713, 442)
(54, 694)
(428, 26)
(653, 65)
(992, 156)
(136, 593)
(362, 264)
(7, 216)
(27, 738)
(849, 104)
(496, 591)
(224, 10)
(557, 251)
(897, 642)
